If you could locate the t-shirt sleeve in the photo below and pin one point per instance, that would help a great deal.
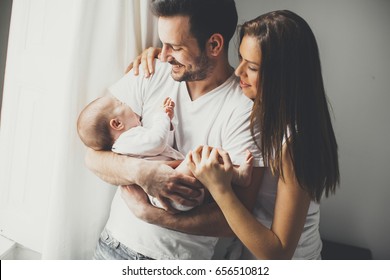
(238, 138)
(130, 90)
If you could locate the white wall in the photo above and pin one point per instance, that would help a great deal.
(354, 44)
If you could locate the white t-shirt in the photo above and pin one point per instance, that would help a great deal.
(220, 118)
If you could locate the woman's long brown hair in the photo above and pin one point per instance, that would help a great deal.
(291, 106)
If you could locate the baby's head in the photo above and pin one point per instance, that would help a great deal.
(103, 120)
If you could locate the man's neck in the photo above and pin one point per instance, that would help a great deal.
(217, 77)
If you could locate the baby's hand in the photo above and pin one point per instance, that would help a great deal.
(169, 105)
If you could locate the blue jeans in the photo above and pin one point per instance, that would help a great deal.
(108, 248)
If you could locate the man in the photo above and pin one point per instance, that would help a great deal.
(211, 110)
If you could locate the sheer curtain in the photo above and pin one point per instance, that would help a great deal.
(61, 55)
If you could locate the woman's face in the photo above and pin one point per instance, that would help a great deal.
(249, 68)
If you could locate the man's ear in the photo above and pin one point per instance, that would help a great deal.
(215, 44)
(116, 124)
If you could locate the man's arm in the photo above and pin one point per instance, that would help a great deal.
(206, 219)
(155, 178)
(113, 168)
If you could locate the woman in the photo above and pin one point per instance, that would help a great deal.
(280, 70)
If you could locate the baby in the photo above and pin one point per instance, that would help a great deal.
(109, 124)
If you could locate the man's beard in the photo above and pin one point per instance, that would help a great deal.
(203, 65)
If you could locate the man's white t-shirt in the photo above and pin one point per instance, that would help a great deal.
(219, 118)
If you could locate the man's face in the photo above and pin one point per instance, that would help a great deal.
(181, 50)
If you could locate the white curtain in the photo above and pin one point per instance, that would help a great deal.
(61, 55)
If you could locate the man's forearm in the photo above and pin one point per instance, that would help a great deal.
(206, 220)
(113, 168)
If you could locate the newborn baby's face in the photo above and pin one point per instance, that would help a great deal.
(127, 116)
(131, 119)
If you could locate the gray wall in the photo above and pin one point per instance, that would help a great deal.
(5, 15)
(354, 44)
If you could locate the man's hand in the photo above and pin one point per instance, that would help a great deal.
(146, 59)
(156, 178)
(167, 185)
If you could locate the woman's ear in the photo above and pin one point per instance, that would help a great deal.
(215, 44)
(117, 124)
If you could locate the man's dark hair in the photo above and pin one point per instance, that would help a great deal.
(207, 17)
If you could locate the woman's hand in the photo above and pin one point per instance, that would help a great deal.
(212, 167)
(146, 59)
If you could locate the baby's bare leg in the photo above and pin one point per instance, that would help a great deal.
(242, 175)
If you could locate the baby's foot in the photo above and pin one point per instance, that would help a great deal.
(242, 175)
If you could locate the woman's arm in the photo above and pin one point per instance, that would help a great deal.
(291, 207)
